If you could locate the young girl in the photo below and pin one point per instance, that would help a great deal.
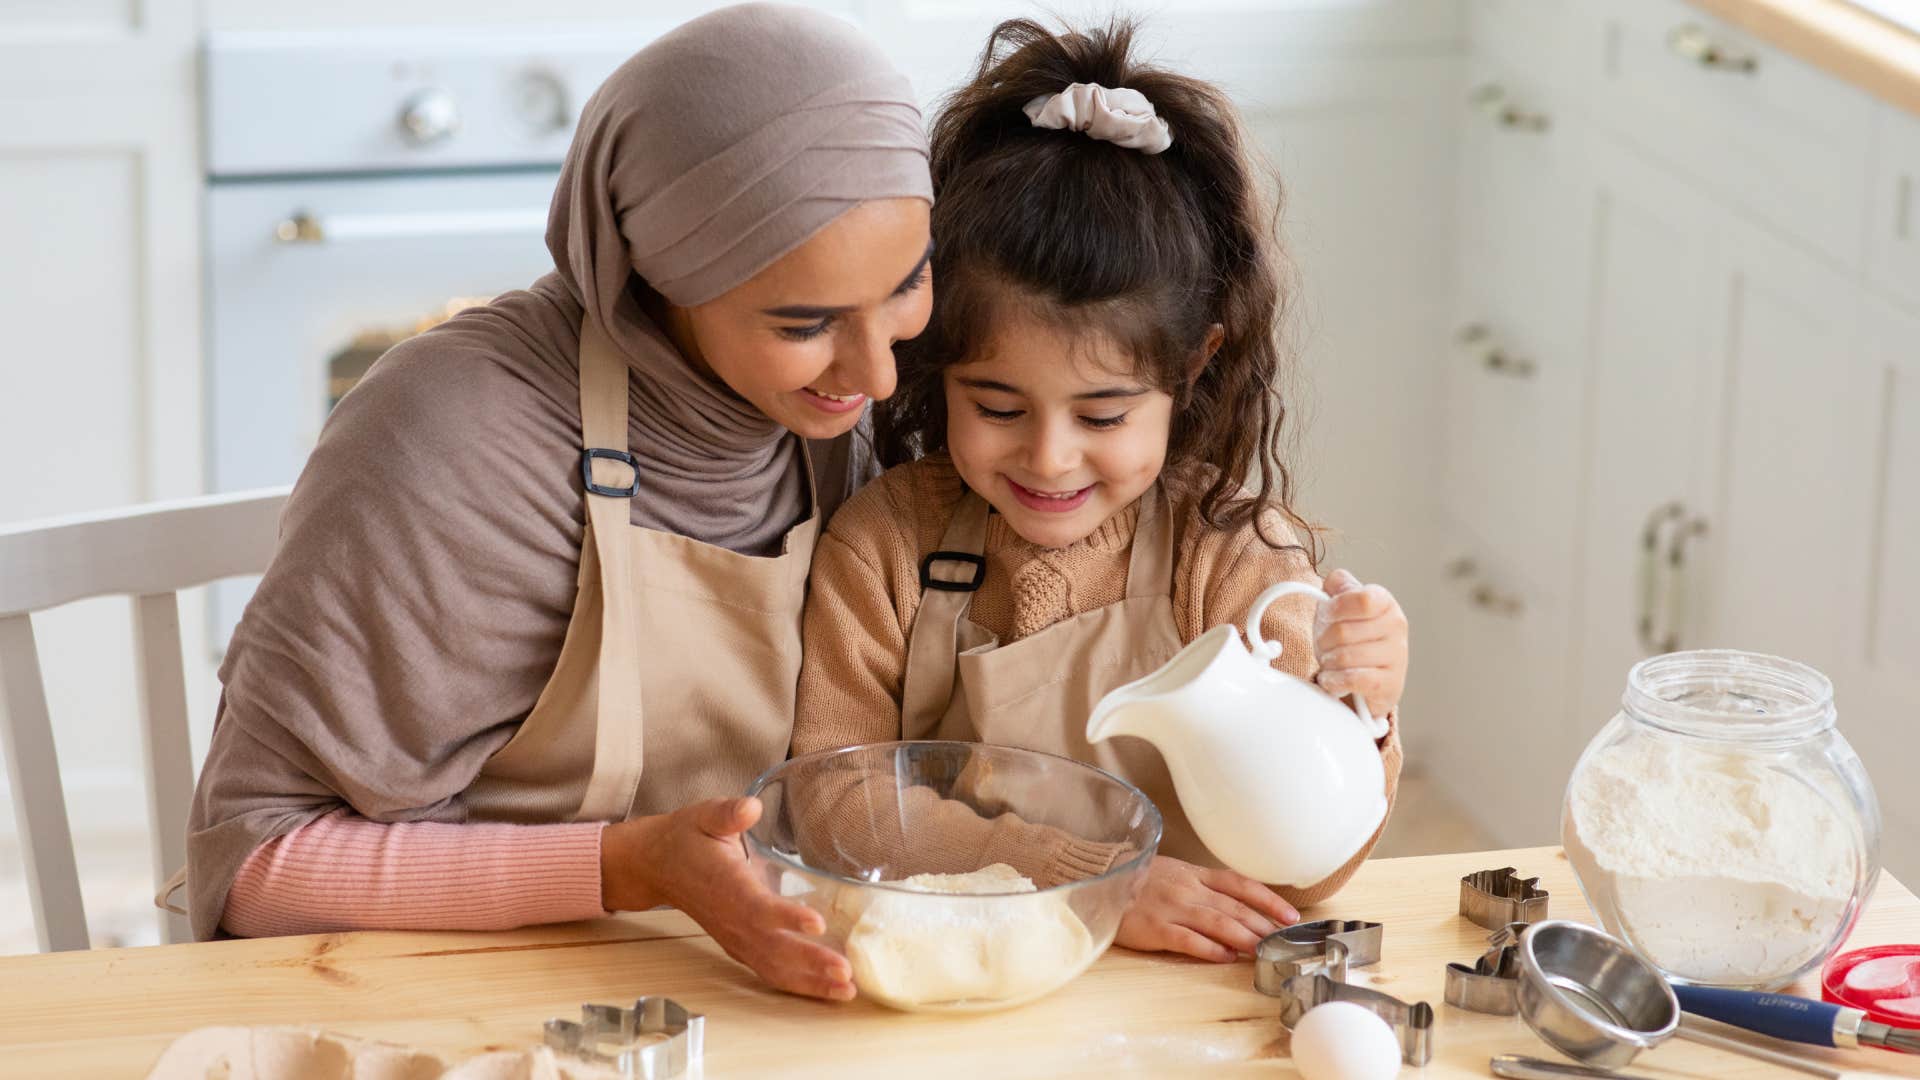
(1099, 375)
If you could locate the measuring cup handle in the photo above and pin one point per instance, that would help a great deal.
(1268, 651)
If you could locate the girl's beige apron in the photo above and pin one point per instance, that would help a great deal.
(681, 659)
(962, 683)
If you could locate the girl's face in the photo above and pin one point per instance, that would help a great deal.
(809, 340)
(1055, 431)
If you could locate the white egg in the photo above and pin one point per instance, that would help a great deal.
(1343, 1041)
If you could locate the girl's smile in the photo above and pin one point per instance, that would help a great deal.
(1047, 502)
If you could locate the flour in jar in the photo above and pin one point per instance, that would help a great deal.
(1723, 869)
(962, 947)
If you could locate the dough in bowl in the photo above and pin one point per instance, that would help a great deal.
(954, 950)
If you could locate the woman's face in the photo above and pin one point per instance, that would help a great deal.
(809, 340)
(1055, 431)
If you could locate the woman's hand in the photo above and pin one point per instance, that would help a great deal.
(1361, 639)
(1212, 914)
(692, 859)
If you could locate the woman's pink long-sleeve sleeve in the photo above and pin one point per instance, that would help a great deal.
(344, 872)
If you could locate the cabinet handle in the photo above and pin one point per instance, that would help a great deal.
(1650, 534)
(1491, 98)
(1503, 363)
(1492, 356)
(307, 228)
(1676, 579)
(1481, 594)
(1487, 598)
(1692, 42)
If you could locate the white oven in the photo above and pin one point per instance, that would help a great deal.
(359, 187)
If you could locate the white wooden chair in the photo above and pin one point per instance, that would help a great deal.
(149, 553)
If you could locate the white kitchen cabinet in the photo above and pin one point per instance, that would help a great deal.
(1879, 693)
(1490, 650)
(1512, 357)
(1544, 38)
(1793, 456)
(1758, 129)
(1649, 407)
(1693, 461)
(1725, 448)
(1491, 647)
(1893, 231)
(1727, 438)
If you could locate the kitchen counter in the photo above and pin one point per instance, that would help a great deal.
(1844, 40)
(110, 1012)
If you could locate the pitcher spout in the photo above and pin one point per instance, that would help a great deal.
(1140, 708)
(1111, 714)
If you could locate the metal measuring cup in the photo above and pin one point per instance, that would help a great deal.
(1590, 996)
(1597, 1001)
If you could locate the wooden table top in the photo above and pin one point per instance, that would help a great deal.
(110, 1012)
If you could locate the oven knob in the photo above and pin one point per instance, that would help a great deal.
(429, 116)
(541, 100)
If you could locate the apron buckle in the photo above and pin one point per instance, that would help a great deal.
(978, 562)
(586, 472)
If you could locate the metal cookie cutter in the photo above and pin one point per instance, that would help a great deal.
(1497, 898)
(607, 1035)
(1491, 985)
(1327, 947)
(1412, 1024)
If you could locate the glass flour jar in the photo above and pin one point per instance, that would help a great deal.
(1720, 824)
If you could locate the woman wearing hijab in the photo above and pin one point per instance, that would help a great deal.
(534, 620)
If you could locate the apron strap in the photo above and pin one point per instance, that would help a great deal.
(1150, 565)
(164, 898)
(948, 579)
(813, 496)
(612, 478)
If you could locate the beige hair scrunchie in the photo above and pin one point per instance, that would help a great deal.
(1119, 116)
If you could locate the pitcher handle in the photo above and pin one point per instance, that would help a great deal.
(1269, 651)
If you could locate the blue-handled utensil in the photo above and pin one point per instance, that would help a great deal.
(1796, 1019)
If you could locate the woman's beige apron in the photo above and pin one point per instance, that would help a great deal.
(962, 683)
(681, 659)
(702, 641)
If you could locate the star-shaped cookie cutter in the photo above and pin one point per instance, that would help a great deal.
(1496, 898)
(627, 1040)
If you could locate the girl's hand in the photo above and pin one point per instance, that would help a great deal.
(693, 860)
(1212, 914)
(1361, 639)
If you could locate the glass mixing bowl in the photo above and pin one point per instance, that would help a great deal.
(1053, 852)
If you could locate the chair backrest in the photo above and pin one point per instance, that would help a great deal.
(148, 553)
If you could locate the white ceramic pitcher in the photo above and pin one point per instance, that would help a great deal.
(1280, 780)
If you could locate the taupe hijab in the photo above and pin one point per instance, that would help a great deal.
(708, 155)
(428, 556)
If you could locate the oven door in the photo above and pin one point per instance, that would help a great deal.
(309, 280)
